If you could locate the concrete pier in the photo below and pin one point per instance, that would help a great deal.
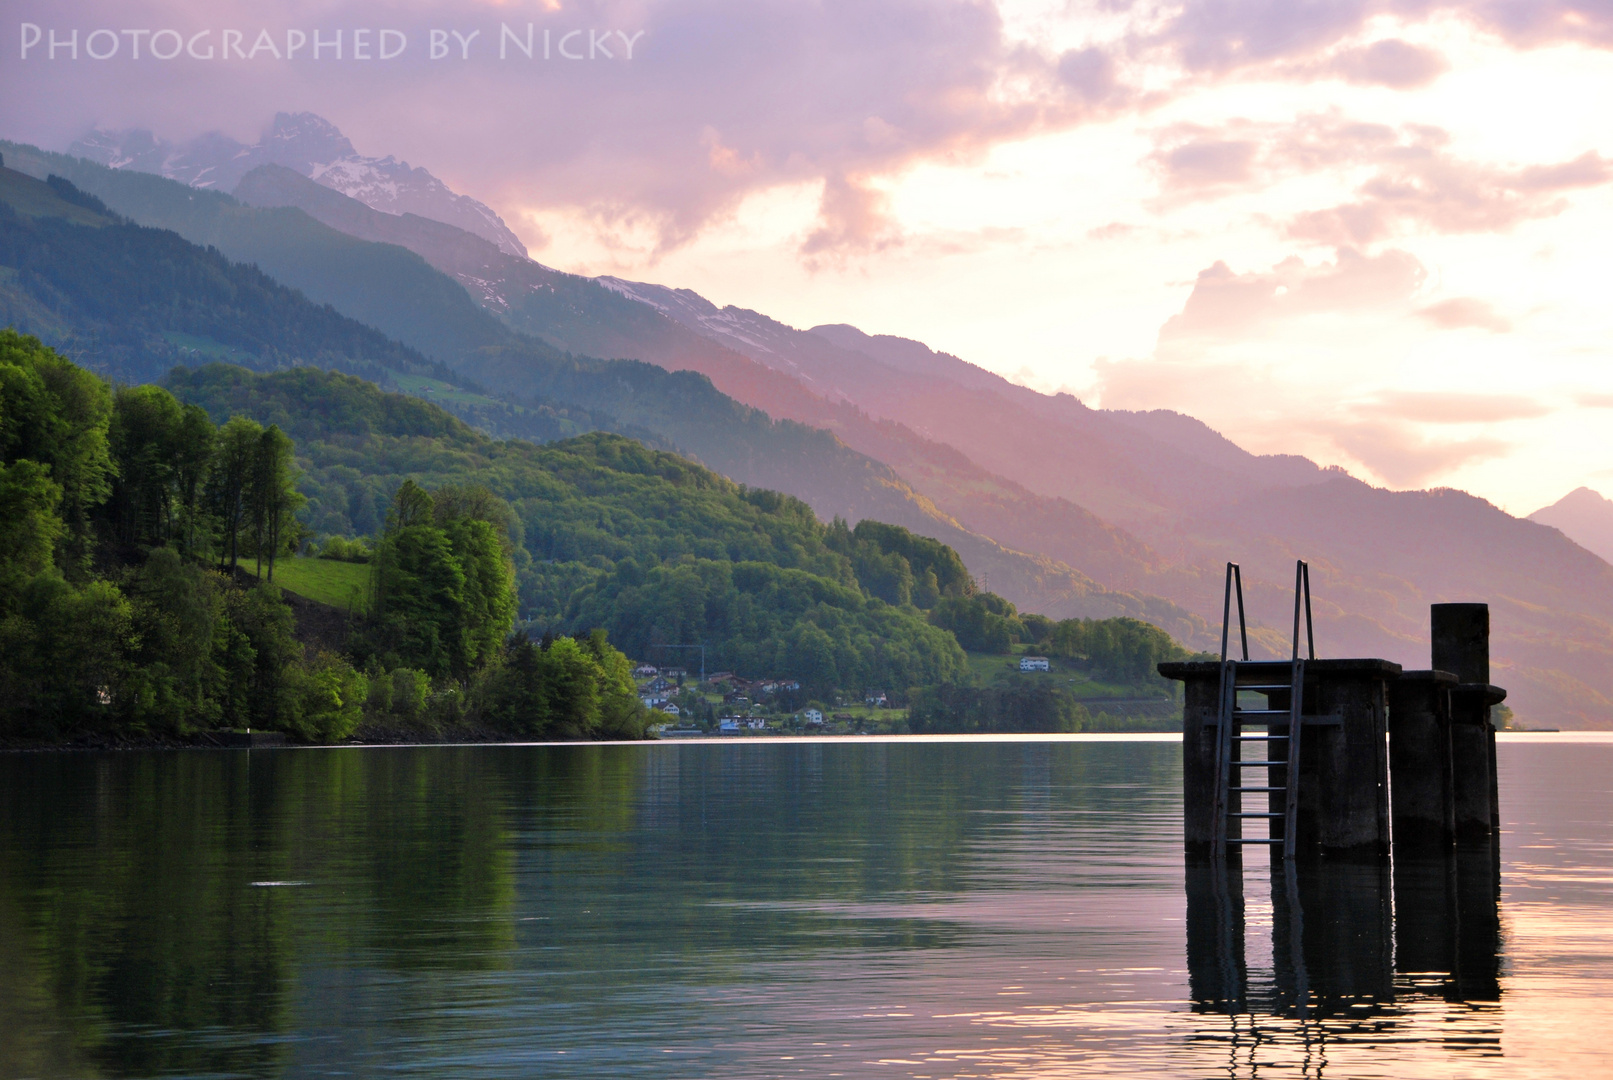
(1461, 645)
(1344, 792)
(1365, 723)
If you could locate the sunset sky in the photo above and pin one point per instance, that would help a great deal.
(1374, 233)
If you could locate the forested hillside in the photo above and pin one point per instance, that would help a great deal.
(369, 282)
(607, 533)
(127, 521)
(132, 514)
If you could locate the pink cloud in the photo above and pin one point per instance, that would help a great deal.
(1391, 62)
(1463, 312)
(722, 98)
(1404, 458)
(1415, 181)
(1227, 304)
(1225, 36)
(1441, 407)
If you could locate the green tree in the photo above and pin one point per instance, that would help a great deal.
(30, 526)
(256, 655)
(193, 460)
(328, 696)
(56, 414)
(982, 622)
(144, 437)
(231, 482)
(561, 689)
(176, 612)
(272, 496)
(64, 656)
(444, 582)
(1122, 649)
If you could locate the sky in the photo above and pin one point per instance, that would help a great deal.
(1367, 231)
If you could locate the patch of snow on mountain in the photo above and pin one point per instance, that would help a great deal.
(755, 333)
(314, 147)
(489, 290)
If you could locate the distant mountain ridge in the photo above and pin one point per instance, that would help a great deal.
(1020, 476)
(1585, 517)
(393, 289)
(1028, 469)
(312, 146)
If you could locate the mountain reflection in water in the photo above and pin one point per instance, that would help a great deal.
(916, 908)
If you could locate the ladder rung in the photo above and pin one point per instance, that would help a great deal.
(1257, 789)
(1254, 814)
(1262, 738)
(1254, 840)
(1255, 763)
(1260, 712)
(1261, 688)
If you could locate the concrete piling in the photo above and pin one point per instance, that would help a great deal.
(1343, 793)
(1420, 760)
(1461, 645)
(1378, 743)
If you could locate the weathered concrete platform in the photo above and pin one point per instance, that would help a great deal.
(1344, 796)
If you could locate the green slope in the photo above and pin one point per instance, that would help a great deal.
(682, 407)
(340, 584)
(610, 533)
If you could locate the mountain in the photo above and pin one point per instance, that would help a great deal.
(1068, 509)
(607, 318)
(533, 383)
(1583, 516)
(1174, 499)
(314, 148)
(133, 302)
(1379, 557)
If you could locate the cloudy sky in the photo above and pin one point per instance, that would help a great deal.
(1369, 231)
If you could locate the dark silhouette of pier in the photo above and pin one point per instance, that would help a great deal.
(1383, 831)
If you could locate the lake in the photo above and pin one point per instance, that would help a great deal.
(768, 908)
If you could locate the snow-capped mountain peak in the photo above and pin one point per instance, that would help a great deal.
(316, 148)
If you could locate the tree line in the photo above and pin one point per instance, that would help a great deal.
(125, 517)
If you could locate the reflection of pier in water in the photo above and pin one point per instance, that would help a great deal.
(1356, 752)
(1361, 951)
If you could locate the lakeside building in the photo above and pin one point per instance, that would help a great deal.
(1034, 663)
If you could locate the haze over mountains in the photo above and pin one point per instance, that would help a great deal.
(313, 147)
(1063, 508)
(1584, 517)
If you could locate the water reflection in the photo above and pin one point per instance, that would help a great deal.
(1357, 952)
(767, 910)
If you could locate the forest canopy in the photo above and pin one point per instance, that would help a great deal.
(141, 527)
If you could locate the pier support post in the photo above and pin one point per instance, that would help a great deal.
(1422, 800)
(1344, 766)
(1461, 646)
(1201, 703)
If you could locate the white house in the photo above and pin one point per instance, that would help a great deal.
(1033, 663)
(813, 716)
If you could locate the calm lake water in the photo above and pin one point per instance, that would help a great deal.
(914, 908)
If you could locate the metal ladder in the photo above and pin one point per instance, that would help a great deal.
(1259, 677)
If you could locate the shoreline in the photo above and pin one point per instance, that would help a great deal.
(378, 740)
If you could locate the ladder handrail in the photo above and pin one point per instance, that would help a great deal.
(1302, 588)
(1296, 725)
(1220, 812)
(1227, 725)
(1234, 583)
